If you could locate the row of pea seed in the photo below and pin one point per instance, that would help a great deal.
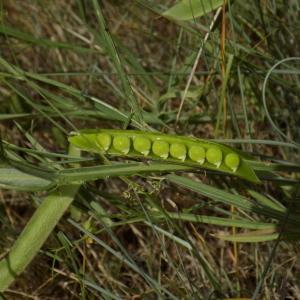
(163, 150)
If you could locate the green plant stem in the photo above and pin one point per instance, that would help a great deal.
(35, 234)
(37, 231)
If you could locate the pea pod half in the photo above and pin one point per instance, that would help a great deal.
(177, 149)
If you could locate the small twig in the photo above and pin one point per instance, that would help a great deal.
(196, 62)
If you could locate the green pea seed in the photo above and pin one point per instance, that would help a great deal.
(197, 153)
(122, 144)
(103, 140)
(232, 160)
(214, 156)
(178, 150)
(142, 145)
(161, 149)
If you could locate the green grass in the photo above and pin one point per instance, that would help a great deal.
(154, 230)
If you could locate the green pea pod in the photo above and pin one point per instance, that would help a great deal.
(189, 151)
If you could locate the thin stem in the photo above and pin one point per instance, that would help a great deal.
(196, 63)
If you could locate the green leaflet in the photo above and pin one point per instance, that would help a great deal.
(172, 148)
(190, 9)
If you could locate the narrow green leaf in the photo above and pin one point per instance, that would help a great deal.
(187, 217)
(119, 169)
(231, 199)
(272, 203)
(102, 214)
(218, 221)
(171, 236)
(249, 237)
(12, 178)
(116, 59)
(29, 38)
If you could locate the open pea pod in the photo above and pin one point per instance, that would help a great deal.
(173, 148)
